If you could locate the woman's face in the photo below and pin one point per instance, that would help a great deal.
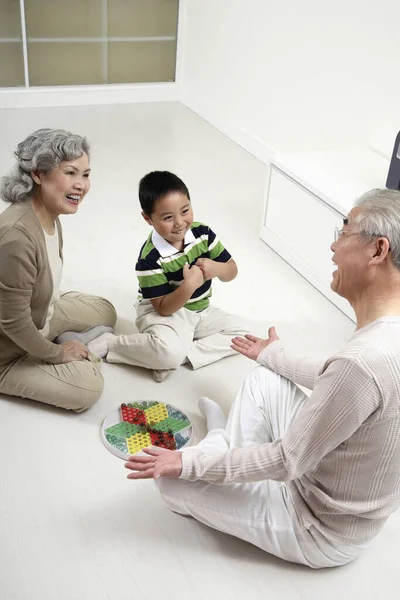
(62, 190)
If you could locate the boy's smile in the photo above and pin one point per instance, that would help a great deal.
(172, 217)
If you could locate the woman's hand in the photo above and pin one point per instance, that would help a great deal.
(251, 346)
(74, 350)
(157, 463)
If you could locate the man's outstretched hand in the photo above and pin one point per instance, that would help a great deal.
(157, 463)
(251, 346)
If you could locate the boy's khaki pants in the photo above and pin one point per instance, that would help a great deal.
(166, 342)
(75, 385)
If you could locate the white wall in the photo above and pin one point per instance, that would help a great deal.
(294, 75)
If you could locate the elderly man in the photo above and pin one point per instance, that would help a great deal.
(309, 479)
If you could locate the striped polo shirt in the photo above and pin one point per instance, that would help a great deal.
(160, 266)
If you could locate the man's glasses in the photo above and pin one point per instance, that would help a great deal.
(340, 233)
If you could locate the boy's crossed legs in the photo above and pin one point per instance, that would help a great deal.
(164, 343)
(212, 336)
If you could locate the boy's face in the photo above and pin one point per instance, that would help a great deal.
(172, 217)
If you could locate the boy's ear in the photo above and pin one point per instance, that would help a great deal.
(147, 218)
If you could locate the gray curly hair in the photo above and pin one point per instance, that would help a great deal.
(380, 217)
(41, 151)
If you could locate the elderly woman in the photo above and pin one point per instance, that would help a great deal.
(51, 178)
(311, 480)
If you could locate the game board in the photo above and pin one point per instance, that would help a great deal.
(137, 425)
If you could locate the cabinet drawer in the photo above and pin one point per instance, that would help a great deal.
(300, 227)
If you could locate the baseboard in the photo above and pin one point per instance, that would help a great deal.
(240, 136)
(88, 95)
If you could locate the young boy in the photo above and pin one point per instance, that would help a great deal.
(175, 269)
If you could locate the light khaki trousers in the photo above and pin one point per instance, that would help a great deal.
(166, 342)
(75, 385)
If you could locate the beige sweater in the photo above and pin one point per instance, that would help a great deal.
(26, 286)
(341, 455)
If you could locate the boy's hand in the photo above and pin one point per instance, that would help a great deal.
(210, 268)
(193, 276)
(251, 346)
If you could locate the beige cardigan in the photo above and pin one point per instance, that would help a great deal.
(26, 286)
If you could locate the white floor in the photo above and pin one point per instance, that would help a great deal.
(72, 527)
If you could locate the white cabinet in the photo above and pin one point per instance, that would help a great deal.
(308, 195)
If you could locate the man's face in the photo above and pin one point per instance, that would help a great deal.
(351, 255)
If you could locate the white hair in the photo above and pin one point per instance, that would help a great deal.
(380, 217)
(41, 151)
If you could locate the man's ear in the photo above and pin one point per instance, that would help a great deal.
(381, 250)
(147, 218)
(37, 177)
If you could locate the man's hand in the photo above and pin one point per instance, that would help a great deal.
(158, 463)
(251, 346)
(74, 350)
(193, 276)
(210, 268)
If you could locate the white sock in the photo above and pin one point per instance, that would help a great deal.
(213, 413)
(100, 345)
(85, 336)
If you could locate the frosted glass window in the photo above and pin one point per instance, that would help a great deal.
(149, 61)
(142, 17)
(11, 55)
(64, 63)
(64, 41)
(75, 42)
